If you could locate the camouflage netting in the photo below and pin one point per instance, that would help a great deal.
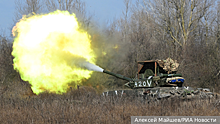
(169, 65)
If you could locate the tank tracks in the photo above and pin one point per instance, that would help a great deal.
(155, 94)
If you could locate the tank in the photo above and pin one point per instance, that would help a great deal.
(155, 80)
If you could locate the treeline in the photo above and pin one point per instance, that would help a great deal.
(185, 30)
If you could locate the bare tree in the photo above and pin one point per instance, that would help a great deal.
(73, 6)
(217, 25)
(27, 7)
(6, 60)
(178, 18)
(68, 5)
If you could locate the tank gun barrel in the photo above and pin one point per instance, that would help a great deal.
(117, 75)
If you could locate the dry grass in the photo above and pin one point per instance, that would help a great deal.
(85, 106)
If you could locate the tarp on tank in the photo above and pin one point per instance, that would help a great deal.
(168, 64)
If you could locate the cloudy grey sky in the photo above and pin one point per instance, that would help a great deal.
(102, 11)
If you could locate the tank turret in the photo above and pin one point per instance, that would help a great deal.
(152, 74)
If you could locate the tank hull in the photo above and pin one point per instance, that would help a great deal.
(158, 93)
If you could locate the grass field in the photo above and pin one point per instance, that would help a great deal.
(84, 106)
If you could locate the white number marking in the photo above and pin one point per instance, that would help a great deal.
(144, 84)
(139, 84)
(149, 84)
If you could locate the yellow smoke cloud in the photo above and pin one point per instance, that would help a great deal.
(48, 50)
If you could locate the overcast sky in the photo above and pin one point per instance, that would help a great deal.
(102, 10)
